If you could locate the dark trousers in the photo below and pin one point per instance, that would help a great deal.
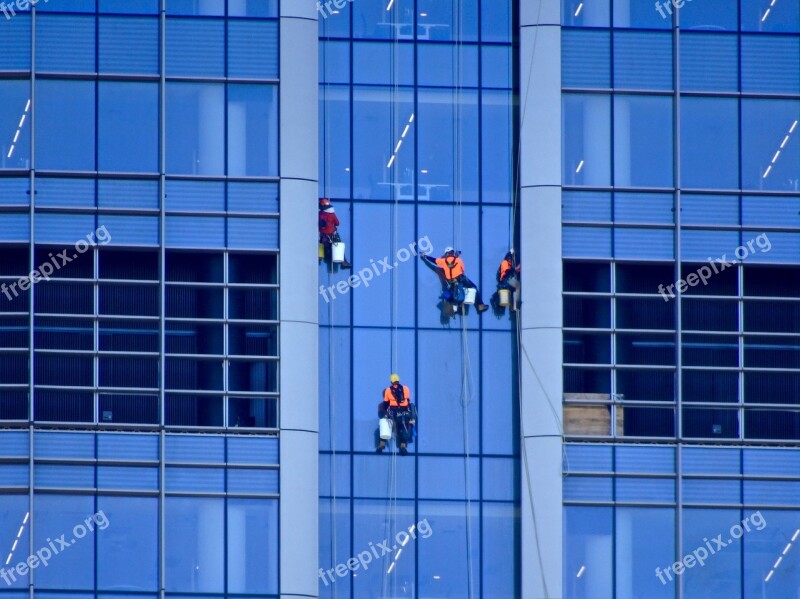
(464, 280)
(401, 418)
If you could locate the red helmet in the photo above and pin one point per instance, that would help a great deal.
(323, 202)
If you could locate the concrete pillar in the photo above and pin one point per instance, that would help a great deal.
(540, 223)
(299, 414)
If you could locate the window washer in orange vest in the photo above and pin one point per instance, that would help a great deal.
(508, 278)
(328, 228)
(397, 405)
(453, 269)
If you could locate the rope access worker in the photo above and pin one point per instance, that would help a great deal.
(397, 405)
(453, 269)
(328, 231)
(508, 278)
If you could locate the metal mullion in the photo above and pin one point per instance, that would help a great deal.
(676, 159)
(162, 565)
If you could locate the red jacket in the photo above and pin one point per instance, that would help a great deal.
(328, 221)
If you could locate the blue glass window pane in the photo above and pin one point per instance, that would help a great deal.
(698, 245)
(496, 20)
(655, 460)
(764, 492)
(131, 230)
(444, 478)
(649, 244)
(195, 128)
(642, 60)
(771, 145)
(13, 516)
(211, 480)
(115, 193)
(72, 193)
(333, 26)
(252, 450)
(128, 127)
(648, 208)
(588, 488)
(65, 130)
(711, 491)
(384, 63)
(256, 198)
(586, 58)
(141, 7)
(447, 65)
(643, 141)
(637, 557)
(371, 20)
(253, 49)
(709, 62)
(758, 15)
(195, 544)
(770, 64)
(578, 13)
(127, 551)
(15, 475)
(126, 477)
(15, 125)
(193, 7)
(720, 575)
(252, 546)
(640, 15)
(16, 34)
(709, 137)
(587, 140)
(195, 47)
(252, 130)
(500, 523)
(770, 533)
(252, 8)
(253, 233)
(188, 448)
(334, 61)
(499, 411)
(371, 477)
(710, 16)
(499, 476)
(129, 45)
(195, 196)
(775, 247)
(586, 242)
(497, 67)
(14, 227)
(707, 460)
(709, 210)
(65, 44)
(71, 6)
(457, 21)
(588, 552)
(496, 161)
(770, 462)
(645, 490)
(253, 481)
(448, 520)
(60, 514)
(63, 477)
(64, 445)
(588, 458)
(14, 444)
(768, 211)
(127, 446)
(63, 228)
(334, 141)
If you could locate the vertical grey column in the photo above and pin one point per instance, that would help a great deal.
(299, 412)
(541, 335)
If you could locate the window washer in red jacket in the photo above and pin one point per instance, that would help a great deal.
(328, 228)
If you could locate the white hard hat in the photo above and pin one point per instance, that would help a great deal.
(449, 250)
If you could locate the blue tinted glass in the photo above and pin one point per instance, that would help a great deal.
(499, 479)
(72, 193)
(771, 532)
(253, 233)
(499, 412)
(643, 208)
(65, 43)
(771, 144)
(709, 61)
(496, 20)
(643, 141)
(129, 45)
(640, 15)
(332, 521)
(721, 574)
(371, 20)
(699, 245)
(579, 13)
(253, 130)
(653, 244)
(252, 8)
(637, 557)
(770, 64)
(195, 196)
(13, 516)
(195, 544)
(632, 70)
(445, 65)
(761, 15)
(131, 230)
(334, 143)
(65, 132)
(63, 228)
(14, 192)
(496, 161)
(333, 24)
(587, 135)
(143, 7)
(128, 127)
(127, 555)
(383, 63)
(195, 231)
(16, 34)
(15, 125)
(195, 128)
(586, 242)
(334, 62)
(499, 565)
(770, 211)
(196, 47)
(711, 16)
(258, 198)
(252, 546)
(61, 514)
(113, 193)
(447, 521)
(445, 478)
(253, 49)
(195, 479)
(71, 6)
(497, 67)
(709, 210)
(709, 143)
(195, 7)
(457, 21)
(63, 477)
(588, 543)
(586, 58)
(370, 474)
(711, 491)
(335, 395)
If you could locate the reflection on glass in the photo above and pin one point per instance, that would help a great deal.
(15, 125)
(195, 128)
(587, 135)
(588, 538)
(771, 144)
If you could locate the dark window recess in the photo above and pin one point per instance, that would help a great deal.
(58, 333)
(63, 370)
(771, 352)
(587, 349)
(192, 302)
(643, 313)
(129, 300)
(646, 349)
(774, 281)
(62, 406)
(128, 264)
(710, 423)
(128, 409)
(253, 304)
(579, 380)
(193, 338)
(253, 268)
(772, 387)
(190, 410)
(764, 424)
(646, 385)
(710, 385)
(15, 261)
(129, 372)
(14, 405)
(193, 375)
(64, 298)
(79, 266)
(253, 376)
(589, 277)
(19, 302)
(13, 332)
(587, 312)
(247, 412)
(253, 340)
(648, 422)
(643, 278)
(193, 267)
(710, 350)
(771, 317)
(710, 315)
(725, 282)
(128, 336)
(13, 369)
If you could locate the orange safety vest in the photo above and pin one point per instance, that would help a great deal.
(389, 397)
(505, 266)
(452, 270)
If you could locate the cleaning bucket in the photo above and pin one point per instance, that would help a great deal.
(337, 252)
(469, 295)
(386, 429)
(321, 251)
(504, 297)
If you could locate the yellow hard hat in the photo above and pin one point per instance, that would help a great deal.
(394, 378)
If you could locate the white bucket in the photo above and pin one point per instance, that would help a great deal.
(385, 429)
(337, 252)
(504, 297)
(469, 295)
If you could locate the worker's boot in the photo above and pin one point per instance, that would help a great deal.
(403, 450)
(482, 307)
(346, 265)
(381, 446)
